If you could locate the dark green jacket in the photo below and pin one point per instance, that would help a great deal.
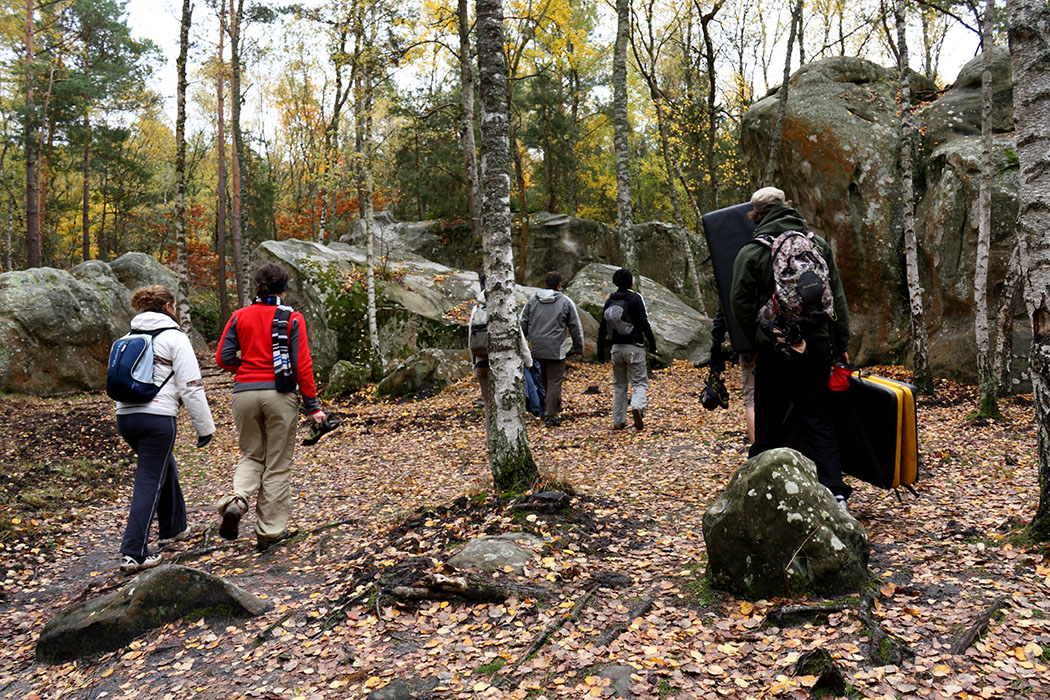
(753, 282)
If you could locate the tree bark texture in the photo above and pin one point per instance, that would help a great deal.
(220, 209)
(1004, 347)
(237, 156)
(986, 380)
(1030, 52)
(33, 257)
(906, 134)
(621, 137)
(782, 101)
(466, 131)
(509, 455)
(181, 262)
(85, 204)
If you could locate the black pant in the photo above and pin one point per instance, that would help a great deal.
(793, 409)
(156, 481)
(552, 373)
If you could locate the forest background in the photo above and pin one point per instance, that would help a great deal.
(289, 105)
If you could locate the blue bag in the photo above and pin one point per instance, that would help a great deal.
(129, 378)
(535, 395)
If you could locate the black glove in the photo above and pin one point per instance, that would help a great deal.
(203, 440)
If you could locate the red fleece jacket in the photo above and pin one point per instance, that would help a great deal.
(247, 351)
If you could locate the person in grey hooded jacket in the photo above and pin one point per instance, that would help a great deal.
(548, 316)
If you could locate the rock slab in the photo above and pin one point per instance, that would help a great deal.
(150, 600)
(493, 553)
(776, 531)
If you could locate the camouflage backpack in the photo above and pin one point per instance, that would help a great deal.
(801, 282)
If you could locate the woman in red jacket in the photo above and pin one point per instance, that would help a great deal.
(265, 346)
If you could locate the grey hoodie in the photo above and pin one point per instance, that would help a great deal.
(547, 317)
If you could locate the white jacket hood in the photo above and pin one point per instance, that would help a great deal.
(548, 296)
(152, 321)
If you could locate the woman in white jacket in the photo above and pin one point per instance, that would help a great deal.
(150, 430)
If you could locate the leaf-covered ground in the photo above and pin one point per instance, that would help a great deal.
(402, 484)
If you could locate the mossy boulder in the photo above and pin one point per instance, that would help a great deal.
(346, 377)
(776, 531)
(150, 600)
(426, 373)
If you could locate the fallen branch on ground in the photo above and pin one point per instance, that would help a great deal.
(962, 641)
(640, 608)
(480, 588)
(553, 627)
(794, 614)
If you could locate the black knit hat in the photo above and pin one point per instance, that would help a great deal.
(623, 279)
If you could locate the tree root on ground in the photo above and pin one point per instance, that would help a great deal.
(883, 649)
(962, 641)
(479, 588)
(639, 609)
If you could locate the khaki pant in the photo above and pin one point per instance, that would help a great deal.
(628, 363)
(266, 421)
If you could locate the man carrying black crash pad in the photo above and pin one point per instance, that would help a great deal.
(788, 301)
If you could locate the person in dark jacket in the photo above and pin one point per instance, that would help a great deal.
(270, 359)
(626, 318)
(548, 316)
(791, 378)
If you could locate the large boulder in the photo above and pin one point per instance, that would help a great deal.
(150, 600)
(554, 242)
(425, 373)
(775, 531)
(56, 328)
(420, 303)
(135, 270)
(947, 216)
(841, 123)
(681, 331)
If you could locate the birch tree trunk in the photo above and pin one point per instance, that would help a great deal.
(986, 380)
(220, 208)
(33, 257)
(1030, 52)
(181, 262)
(906, 133)
(621, 137)
(466, 132)
(1004, 347)
(370, 247)
(510, 458)
(85, 203)
(782, 101)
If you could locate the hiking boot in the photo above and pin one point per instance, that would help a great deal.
(180, 537)
(619, 426)
(262, 545)
(231, 518)
(636, 415)
(132, 565)
(552, 421)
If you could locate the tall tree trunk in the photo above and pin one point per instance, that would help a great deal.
(906, 133)
(711, 138)
(362, 80)
(1002, 367)
(621, 137)
(466, 129)
(237, 156)
(523, 204)
(85, 209)
(1030, 52)
(220, 208)
(370, 248)
(33, 257)
(782, 101)
(509, 455)
(986, 380)
(181, 261)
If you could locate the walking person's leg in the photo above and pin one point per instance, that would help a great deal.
(171, 508)
(619, 368)
(273, 506)
(822, 443)
(772, 399)
(555, 374)
(251, 438)
(153, 438)
(639, 377)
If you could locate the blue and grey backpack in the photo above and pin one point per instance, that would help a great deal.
(129, 378)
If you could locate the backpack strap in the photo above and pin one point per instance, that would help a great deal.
(157, 360)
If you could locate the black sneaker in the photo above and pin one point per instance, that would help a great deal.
(552, 421)
(231, 518)
(262, 545)
(636, 415)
